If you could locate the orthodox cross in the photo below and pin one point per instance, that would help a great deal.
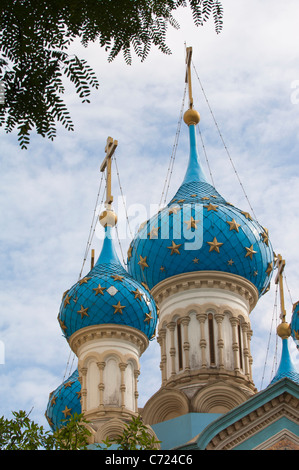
(106, 165)
(280, 263)
(188, 75)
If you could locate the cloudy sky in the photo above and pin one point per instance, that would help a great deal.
(250, 76)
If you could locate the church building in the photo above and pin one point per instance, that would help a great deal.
(194, 273)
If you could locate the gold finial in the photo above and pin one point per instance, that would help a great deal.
(92, 259)
(108, 216)
(283, 330)
(191, 116)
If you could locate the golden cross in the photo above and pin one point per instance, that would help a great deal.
(188, 75)
(109, 149)
(280, 263)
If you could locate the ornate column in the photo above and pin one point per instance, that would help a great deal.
(163, 364)
(201, 317)
(186, 346)
(136, 394)
(172, 350)
(101, 366)
(83, 373)
(235, 344)
(122, 367)
(220, 343)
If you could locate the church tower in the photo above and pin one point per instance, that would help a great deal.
(107, 318)
(206, 263)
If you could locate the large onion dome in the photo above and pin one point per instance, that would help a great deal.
(64, 402)
(199, 230)
(107, 295)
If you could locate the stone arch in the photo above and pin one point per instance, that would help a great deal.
(165, 404)
(218, 398)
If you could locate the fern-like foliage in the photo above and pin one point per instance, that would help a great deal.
(34, 40)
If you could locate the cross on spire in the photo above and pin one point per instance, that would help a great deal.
(280, 263)
(106, 165)
(188, 75)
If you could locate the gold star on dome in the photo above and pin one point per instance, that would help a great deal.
(181, 201)
(143, 262)
(162, 268)
(148, 317)
(99, 290)
(255, 273)
(53, 401)
(215, 245)
(84, 280)
(214, 196)
(233, 225)
(116, 277)
(118, 308)
(191, 223)
(265, 237)
(83, 311)
(211, 207)
(142, 225)
(145, 285)
(67, 411)
(250, 251)
(195, 260)
(79, 394)
(137, 294)
(205, 198)
(229, 203)
(193, 195)
(269, 268)
(75, 299)
(174, 248)
(64, 294)
(230, 262)
(174, 210)
(66, 301)
(130, 253)
(247, 215)
(62, 325)
(153, 233)
(49, 420)
(67, 384)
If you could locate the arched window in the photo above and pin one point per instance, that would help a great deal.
(211, 339)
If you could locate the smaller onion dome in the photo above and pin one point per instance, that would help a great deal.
(108, 295)
(295, 324)
(286, 367)
(64, 402)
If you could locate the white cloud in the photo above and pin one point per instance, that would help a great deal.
(48, 192)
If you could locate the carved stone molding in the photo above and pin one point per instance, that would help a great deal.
(111, 331)
(206, 279)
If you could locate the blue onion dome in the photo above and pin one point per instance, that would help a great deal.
(108, 295)
(64, 402)
(199, 230)
(295, 324)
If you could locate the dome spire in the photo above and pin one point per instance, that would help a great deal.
(108, 217)
(191, 117)
(286, 367)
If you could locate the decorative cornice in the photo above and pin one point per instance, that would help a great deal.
(254, 422)
(206, 279)
(111, 331)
